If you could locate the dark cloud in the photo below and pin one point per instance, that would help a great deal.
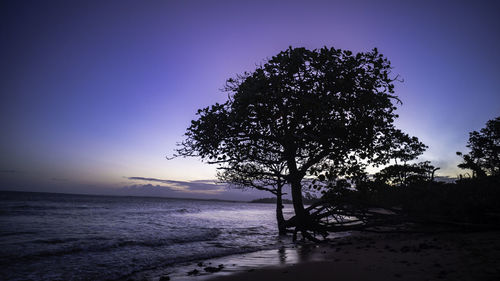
(149, 190)
(135, 186)
(157, 190)
(198, 185)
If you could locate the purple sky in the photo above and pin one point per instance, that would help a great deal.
(96, 92)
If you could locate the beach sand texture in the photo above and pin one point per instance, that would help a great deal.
(445, 256)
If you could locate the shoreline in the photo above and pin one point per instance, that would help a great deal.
(364, 256)
(283, 254)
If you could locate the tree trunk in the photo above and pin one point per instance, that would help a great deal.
(279, 213)
(295, 178)
(298, 206)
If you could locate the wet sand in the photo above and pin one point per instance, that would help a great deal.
(446, 256)
(361, 256)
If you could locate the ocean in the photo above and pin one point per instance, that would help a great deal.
(46, 236)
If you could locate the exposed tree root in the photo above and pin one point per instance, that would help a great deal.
(324, 218)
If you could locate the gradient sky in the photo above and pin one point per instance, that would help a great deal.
(94, 93)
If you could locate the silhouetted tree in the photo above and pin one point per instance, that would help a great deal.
(484, 156)
(304, 111)
(394, 146)
(245, 161)
(267, 177)
(406, 174)
(404, 149)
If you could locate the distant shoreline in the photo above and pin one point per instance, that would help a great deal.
(270, 200)
(121, 196)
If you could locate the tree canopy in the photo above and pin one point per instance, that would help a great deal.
(484, 156)
(303, 113)
(406, 174)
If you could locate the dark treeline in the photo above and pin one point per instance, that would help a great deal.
(468, 200)
(314, 121)
(406, 194)
(470, 203)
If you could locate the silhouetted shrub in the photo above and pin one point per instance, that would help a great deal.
(468, 200)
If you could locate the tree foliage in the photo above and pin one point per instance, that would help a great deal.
(484, 156)
(401, 173)
(303, 113)
(406, 174)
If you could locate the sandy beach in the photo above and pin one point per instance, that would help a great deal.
(444, 256)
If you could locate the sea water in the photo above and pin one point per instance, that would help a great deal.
(46, 236)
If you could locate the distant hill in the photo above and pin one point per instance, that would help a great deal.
(270, 200)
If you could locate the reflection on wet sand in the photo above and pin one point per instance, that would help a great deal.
(283, 256)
